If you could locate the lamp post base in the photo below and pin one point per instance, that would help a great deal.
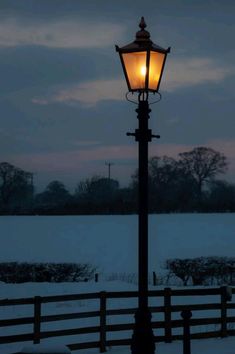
(143, 338)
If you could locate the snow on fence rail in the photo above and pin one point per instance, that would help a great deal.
(167, 324)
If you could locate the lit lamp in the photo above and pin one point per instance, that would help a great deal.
(143, 63)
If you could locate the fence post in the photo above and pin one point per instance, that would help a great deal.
(167, 314)
(103, 303)
(223, 301)
(37, 319)
(186, 315)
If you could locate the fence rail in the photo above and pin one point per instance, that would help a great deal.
(167, 324)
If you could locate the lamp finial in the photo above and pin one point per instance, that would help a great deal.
(143, 36)
(142, 24)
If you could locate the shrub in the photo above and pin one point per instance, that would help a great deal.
(14, 272)
(203, 270)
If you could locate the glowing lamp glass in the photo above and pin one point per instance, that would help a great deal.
(155, 69)
(143, 69)
(135, 64)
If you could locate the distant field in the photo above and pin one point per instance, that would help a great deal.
(110, 242)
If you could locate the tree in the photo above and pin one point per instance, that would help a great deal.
(203, 164)
(97, 194)
(171, 187)
(55, 195)
(162, 182)
(221, 196)
(162, 170)
(16, 185)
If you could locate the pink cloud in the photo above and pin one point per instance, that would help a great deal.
(86, 162)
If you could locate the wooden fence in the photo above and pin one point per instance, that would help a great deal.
(168, 324)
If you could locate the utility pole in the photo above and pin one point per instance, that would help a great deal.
(109, 164)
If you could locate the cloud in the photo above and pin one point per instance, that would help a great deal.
(184, 72)
(88, 93)
(40, 101)
(72, 166)
(59, 34)
(92, 92)
(86, 143)
(77, 160)
(180, 73)
(69, 159)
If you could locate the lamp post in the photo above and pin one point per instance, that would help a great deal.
(143, 63)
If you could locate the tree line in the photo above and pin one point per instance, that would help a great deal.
(202, 270)
(189, 183)
(22, 272)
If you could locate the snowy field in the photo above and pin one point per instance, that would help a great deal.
(215, 346)
(211, 346)
(110, 242)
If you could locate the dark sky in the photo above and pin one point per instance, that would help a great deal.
(62, 90)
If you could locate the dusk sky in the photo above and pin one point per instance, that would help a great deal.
(62, 90)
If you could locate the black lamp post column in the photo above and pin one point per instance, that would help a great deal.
(143, 338)
(143, 63)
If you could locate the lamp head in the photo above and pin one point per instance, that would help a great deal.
(143, 62)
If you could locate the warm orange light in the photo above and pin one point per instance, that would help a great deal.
(143, 70)
(136, 68)
(135, 64)
(155, 69)
(143, 62)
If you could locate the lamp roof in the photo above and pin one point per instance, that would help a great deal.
(142, 42)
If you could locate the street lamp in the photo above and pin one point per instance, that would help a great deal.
(143, 63)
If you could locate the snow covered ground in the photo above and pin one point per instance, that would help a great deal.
(110, 242)
(217, 346)
(211, 346)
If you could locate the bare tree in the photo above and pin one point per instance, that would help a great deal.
(97, 189)
(204, 164)
(14, 182)
(171, 186)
